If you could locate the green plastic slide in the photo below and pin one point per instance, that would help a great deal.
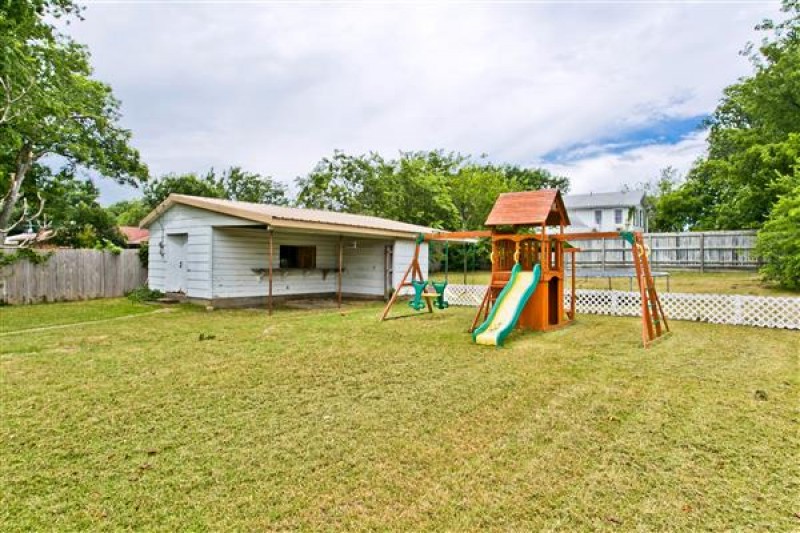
(508, 307)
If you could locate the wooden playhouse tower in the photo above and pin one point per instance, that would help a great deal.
(528, 227)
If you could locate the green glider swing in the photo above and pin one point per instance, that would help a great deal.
(417, 302)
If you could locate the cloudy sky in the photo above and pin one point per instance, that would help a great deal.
(606, 93)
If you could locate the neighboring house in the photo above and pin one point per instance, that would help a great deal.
(134, 237)
(218, 252)
(607, 211)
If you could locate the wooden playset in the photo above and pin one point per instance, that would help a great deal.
(526, 289)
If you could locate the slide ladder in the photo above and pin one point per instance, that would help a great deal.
(654, 323)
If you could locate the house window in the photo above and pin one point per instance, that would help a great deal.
(598, 217)
(298, 256)
(617, 216)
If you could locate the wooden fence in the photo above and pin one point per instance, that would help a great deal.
(690, 250)
(71, 275)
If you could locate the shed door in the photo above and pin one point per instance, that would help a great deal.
(176, 263)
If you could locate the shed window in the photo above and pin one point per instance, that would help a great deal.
(298, 256)
(617, 216)
(598, 216)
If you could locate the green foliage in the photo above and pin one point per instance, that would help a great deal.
(754, 140)
(52, 106)
(128, 212)
(105, 245)
(233, 184)
(24, 254)
(144, 254)
(250, 187)
(660, 202)
(436, 188)
(72, 208)
(779, 240)
(144, 294)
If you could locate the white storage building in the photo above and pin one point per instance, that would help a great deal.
(218, 252)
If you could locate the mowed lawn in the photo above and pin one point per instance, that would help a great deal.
(326, 420)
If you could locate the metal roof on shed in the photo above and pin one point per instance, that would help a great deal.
(292, 217)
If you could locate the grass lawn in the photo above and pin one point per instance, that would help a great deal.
(680, 281)
(321, 420)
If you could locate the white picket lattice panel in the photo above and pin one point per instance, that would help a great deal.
(466, 295)
(759, 311)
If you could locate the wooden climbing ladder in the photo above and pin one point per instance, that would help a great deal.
(654, 323)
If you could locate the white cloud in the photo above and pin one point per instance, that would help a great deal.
(607, 171)
(274, 87)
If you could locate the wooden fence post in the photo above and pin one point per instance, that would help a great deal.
(702, 252)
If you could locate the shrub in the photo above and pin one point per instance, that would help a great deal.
(779, 242)
(144, 254)
(144, 294)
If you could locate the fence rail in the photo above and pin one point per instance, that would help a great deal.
(690, 250)
(71, 275)
(759, 311)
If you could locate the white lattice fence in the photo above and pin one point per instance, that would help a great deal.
(760, 311)
(466, 295)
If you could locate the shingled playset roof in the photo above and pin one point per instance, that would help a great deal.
(529, 208)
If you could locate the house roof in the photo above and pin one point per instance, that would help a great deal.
(528, 208)
(604, 199)
(134, 235)
(279, 216)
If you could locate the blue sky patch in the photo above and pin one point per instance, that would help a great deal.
(666, 131)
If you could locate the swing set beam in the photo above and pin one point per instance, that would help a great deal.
(457, 235)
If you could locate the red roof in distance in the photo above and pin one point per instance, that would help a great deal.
(529, 208)
(134, 235)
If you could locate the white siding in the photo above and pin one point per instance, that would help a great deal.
(584, 218)
(238, 251)
(197, 224)
(364, 266)
(403, 253)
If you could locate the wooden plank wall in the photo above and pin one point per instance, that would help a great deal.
(688, 250)
(72, 275)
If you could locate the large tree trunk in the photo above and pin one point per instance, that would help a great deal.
(22, 164)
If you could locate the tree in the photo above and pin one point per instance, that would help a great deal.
(753, 138)
(233, 184)
(249, 187)
(57, 109)
(129, 212)
(532, 179)
(435, 188)
(157, 191)
(779, 240)
(71, 207)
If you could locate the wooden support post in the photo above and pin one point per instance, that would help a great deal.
(702, 253)
(572, 303)
(412, 269)
(339, 280)
(466, 249)
(270, 270)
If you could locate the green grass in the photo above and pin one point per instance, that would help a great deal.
(23, 317)
(322, 420)
(680, 281)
